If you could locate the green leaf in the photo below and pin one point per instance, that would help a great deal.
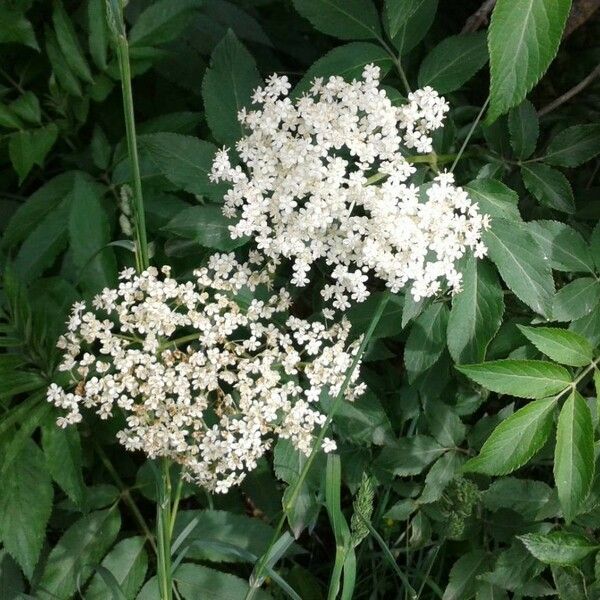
(11, 580)
(409, 455)
(524, 496)
(558, 547)
(565, 347)
(184, 160)
(476, 313)
(426, 340)
(390, 323)
(569, 583)
(574, 455)
(398, 12)
(444, 424)
(344, 19)
(576, 299)
(347, 61)
(89, 235)
(523, 39)
(30, 147)
(98, 32)
(521, 378)
(516, 440)
(9, 119)
(60, 68)
(524, 128)
(495, 199)
(45, 242)
(416, 26)
(71, 561)
(564, 247)
(227, 87)
(549, 186)
(453, 62)
(463, 575)
(100, 148)
(68, 42)
(521, 265)
(595, 245)
(573, 146)
(128, 563)
(62, 449)
(27, 106)
(162, 22)
(442, 472)
(16, 29)
(25, 506)
(206, 225)
(226, 528)
(196, 581)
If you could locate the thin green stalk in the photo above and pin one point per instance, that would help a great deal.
(117, 26)
(471, 131)
(163, 508)
(295, 490)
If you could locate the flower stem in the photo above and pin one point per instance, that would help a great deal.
(164, 531)
(257, 575)
(117, 25)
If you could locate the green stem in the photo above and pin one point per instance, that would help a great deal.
(139, 220)
(295, 490)
(163, 508)
(468, 138)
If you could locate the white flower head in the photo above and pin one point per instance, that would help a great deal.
(325, 177)
(203, 372)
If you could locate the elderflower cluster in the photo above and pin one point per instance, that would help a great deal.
(306, 188)
(203, 374)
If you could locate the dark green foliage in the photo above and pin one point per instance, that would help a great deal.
(468, 468)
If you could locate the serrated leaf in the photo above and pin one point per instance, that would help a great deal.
(453, 62)
(564, 247)
(444, 424)
(44, 243)
(562, 346)
(558, 547)
(398, 12)
(463, 575)
(162, 22)
(347, 61)
(521, 378)
(524, 128)
(576, 299)
(524, 496)
(426, 341)
(68, 42)
(184, 160)
(227, 87)
(523, 40)
(409, 455)
(206, 225)
(344, 19)
(416, 26)
(495, 199)
(98, 32)
(516, 440)
(442, 472)
(60, 68)
(62, 449)
(127, 562)
(72, 559)
(573, 146)
(574, 455)
(569, 583)
(30, 147)
(27, 107)
(476, 313)
(89, 235)
(25, 506)
(16, 29)
(521, 264)
(549, 186)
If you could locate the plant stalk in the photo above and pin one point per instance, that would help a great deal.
(163, 520)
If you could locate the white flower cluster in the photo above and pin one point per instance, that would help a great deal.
(305, 191)
(201, 376)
